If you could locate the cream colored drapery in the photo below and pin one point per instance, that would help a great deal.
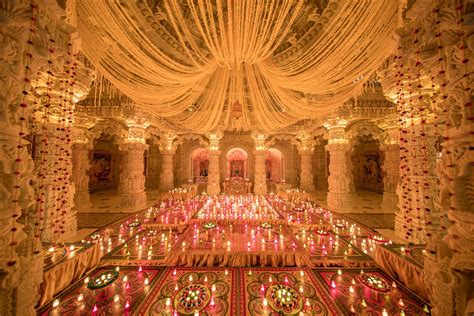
(211, 53)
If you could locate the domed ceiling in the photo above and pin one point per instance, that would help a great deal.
(237, 64)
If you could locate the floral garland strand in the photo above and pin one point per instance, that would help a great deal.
(17, 166)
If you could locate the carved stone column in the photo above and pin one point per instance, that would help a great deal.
(213, 179)
(305, 150)
(391, 169)
(415, 197)
(167, 150)
(80, 168)
(132, 169)
(260, 186)
(319, 163)
(340, 180)
(153, 175)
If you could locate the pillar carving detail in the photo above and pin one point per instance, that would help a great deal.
(80, 167)
(132, 177)
(213, 179)
(167, 150)
(340, 180)
(305, 150)
(391, 170)
(260, 185)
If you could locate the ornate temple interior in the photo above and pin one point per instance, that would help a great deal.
(236, 157)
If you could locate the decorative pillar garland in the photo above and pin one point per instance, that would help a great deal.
(21, 134)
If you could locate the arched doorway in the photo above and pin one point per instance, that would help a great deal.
(236, 163)
(199, 165)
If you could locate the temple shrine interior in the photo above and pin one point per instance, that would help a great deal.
(236, 157)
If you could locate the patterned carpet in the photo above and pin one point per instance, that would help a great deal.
(236, 256)
(235, 291)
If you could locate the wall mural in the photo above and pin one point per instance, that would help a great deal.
(368, 172)
(101, 169)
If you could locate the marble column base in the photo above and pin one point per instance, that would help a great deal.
(136, 201)
(339, 202)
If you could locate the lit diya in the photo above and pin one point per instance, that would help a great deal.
(209, 225)
(284, 299)
(192, 298)
(266, 225)
(103, 279)
(374, 282)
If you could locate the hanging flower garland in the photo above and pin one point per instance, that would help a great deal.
(18, 163)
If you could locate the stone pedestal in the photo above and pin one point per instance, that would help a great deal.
(80, 175)
(213, 178)
(167, 179)
(132, 178)
(391, 176)
(340, 181)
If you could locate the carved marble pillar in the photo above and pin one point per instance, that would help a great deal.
(54, 167)
(340, 180)
(132, 178)
(305, 150)
(153, 175)
(80, 169)
(319, 168)
(260, 185)
(167, 177)
(415, 196)
(391, 171)
(213, 179)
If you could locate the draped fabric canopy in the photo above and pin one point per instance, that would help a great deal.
(282, 60)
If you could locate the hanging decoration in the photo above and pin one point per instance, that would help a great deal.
(211, 53)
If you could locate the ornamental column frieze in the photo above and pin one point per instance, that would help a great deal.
(260, 185)
(340, 179)
(391, 170)
(305, 150)
(167, 151)
(132, 169)
(213, 178)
